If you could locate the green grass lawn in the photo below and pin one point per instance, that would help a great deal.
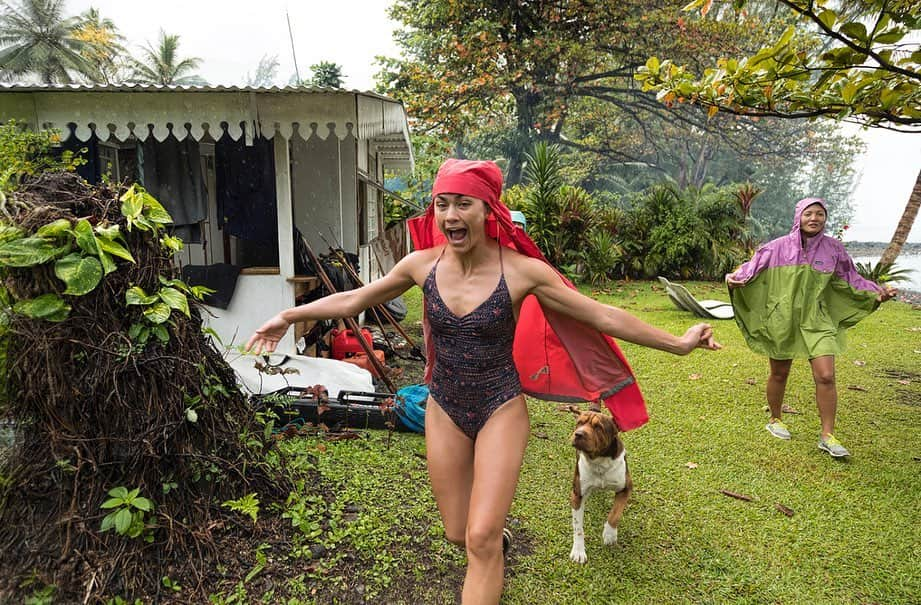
(854, 536)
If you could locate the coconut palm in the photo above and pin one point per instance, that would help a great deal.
(161, 65)
(103, 46)
(37, 38)
(905, 224)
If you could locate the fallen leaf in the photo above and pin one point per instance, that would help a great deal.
(854, 387)
(540, 435)
(736, 495)
(913, 329)
(691, 465)
(784, 509)
(751, 381)
(694, 376)
(788, 410)
(859, 363)
(903, 381)
(321, 447)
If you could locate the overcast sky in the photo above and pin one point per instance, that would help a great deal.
(231, 36)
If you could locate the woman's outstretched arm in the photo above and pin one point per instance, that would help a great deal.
(335, 306)
(553, 294)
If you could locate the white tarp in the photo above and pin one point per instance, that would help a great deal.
(334, 375)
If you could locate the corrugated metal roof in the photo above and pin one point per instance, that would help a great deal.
(18, 87)
(141, 110)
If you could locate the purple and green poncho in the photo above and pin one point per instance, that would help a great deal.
(798, 300)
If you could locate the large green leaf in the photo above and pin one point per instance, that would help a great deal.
(30, 251)
(157, 313)
(86, 239)
(132, 203)
(175, 299)
(81, 273)
(155, 211)
(54, 228)
(9, 232)
(50, 307)
(135, 295)
(108, 265)
(112, 246)
(855, 30)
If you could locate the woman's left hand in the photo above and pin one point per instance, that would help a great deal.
(886, 293)
(699, 336)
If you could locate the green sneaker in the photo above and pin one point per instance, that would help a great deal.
(778, 429)
(831, 445)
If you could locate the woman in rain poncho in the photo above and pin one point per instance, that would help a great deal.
(796, 298)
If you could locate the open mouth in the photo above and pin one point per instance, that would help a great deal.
(456, 235)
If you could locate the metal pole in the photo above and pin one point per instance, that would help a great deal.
(357, 279)
(350, 321)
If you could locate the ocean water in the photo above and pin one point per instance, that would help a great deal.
(904, 261)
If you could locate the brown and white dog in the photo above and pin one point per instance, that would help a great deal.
(601, 464)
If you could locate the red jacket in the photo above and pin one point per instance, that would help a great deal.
(558, 358)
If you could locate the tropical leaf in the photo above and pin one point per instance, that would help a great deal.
(157, 313)
(50, 307)
(30, 251)
(135, 295)
(86, 239)
(81, 273)
(54, 229)
(175, 299)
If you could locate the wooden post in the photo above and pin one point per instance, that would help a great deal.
(285, 207)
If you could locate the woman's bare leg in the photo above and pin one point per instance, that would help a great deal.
(826, 393)
(499, 452)
(449, 453)
(777, 385)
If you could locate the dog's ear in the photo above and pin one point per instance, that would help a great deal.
(612, 429)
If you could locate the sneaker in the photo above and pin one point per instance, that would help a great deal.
(778, 429)
(831, 445)
(506, 540)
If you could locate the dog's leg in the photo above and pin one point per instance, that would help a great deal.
(577, 554)
(609, 535)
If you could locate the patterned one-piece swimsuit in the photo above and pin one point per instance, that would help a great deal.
(474, 371)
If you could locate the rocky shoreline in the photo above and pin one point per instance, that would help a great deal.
(909, 296)
(876, 248)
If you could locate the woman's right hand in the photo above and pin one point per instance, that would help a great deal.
(733, 282)
(267, 336)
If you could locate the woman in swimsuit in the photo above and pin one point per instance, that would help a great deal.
(476, 421)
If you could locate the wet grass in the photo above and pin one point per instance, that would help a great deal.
(852, 537)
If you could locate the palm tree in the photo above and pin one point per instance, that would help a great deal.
(36, 38)
(905, 224)
(265, 72)
(326, 74)
(162, 66)
(103, 46)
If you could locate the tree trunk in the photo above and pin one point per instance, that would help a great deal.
(522, 143)
(905, 224)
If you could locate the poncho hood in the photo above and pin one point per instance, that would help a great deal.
(557, 357)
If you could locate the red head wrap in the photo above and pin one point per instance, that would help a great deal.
(481, 180)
